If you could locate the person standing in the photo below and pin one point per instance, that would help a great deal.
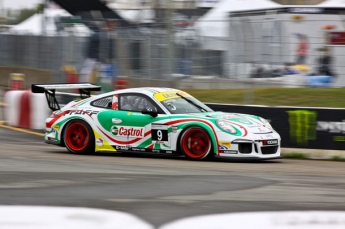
(100, 54)
(302, 49)
(325, 62)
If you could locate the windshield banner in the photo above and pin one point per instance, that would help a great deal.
(162, 96)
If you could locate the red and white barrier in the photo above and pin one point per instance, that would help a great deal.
(26, 109)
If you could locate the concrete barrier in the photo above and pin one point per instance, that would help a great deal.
(26, 110)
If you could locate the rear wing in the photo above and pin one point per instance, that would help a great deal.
(49, 90)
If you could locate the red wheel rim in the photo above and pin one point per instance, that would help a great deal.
(195, 143)
(77, 136)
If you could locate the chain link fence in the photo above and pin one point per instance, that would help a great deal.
(257, 47)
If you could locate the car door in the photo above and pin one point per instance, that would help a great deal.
(134, 131)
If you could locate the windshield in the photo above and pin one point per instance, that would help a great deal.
(178, 102)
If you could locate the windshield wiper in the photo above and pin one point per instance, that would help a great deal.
(193, 103)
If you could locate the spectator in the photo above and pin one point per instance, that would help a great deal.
(324, 63)
(100, 53)
(302, 49)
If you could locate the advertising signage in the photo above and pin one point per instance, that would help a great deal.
(336, 38)
(313, 128)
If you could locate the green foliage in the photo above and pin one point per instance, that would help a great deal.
(338, 158)
(303, 97)
(25, 14)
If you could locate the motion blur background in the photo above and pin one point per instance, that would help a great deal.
(177, 43)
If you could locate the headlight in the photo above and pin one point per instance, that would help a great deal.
(226, 126)
(265, 122)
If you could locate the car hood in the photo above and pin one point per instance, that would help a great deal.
(251, 123)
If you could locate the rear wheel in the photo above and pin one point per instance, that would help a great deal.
(79, 137)
(196, 143)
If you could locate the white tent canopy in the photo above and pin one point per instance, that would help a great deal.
(34, 24)
(215, 22)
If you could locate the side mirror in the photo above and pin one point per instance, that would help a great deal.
(153, 114)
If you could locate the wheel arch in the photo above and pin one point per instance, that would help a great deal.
(64, 125)
(208, 129)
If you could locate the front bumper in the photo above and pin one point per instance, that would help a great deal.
(259, 148)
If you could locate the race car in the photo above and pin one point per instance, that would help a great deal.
(154, 120)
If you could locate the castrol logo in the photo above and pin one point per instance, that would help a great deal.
(126, 131)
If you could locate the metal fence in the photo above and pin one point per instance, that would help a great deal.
(164, 52)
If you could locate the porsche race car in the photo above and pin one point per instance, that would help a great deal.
(154, 120)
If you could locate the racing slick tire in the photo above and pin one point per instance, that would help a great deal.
(79, 137)
(196, 144)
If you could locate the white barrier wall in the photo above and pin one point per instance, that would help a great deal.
(26, 109)
(42, 217)
(264, 220)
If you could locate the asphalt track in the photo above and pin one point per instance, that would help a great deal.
(160, 189)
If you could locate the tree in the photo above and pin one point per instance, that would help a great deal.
(26, 13)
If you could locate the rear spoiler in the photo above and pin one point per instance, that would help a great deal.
(49, 90)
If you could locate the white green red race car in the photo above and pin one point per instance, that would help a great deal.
(154, 120)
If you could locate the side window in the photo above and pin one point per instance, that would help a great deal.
(104, 102)
(136, 103)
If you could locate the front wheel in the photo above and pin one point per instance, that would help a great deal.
(79, 137)
(196, 143)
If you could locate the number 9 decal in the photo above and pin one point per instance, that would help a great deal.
(159, 132)
(159, 135)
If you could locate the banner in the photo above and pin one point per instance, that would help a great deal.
(299, 127)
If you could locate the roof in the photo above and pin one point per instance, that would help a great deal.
(89, 9)
(215, 22)
(33, 25)
(145, 90)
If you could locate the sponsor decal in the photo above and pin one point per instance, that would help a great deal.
(138, 149)
(228, 116)
(261, 130)
(162, 96)
(229, 151)
(137, 114)
(174, 129)
(114, 130)
(122, 147)
(99, 141)
(339, 138)
(270, 142)
(308, 10)
(224, 145)
(302, 126)
(81, 112)
(127, 131)
(159, 133)
(56, 127)
(242, 120)
(129, 113)
(168, 151)
(156, 151)
(116, 120)
(115, 104)
(332, 127)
